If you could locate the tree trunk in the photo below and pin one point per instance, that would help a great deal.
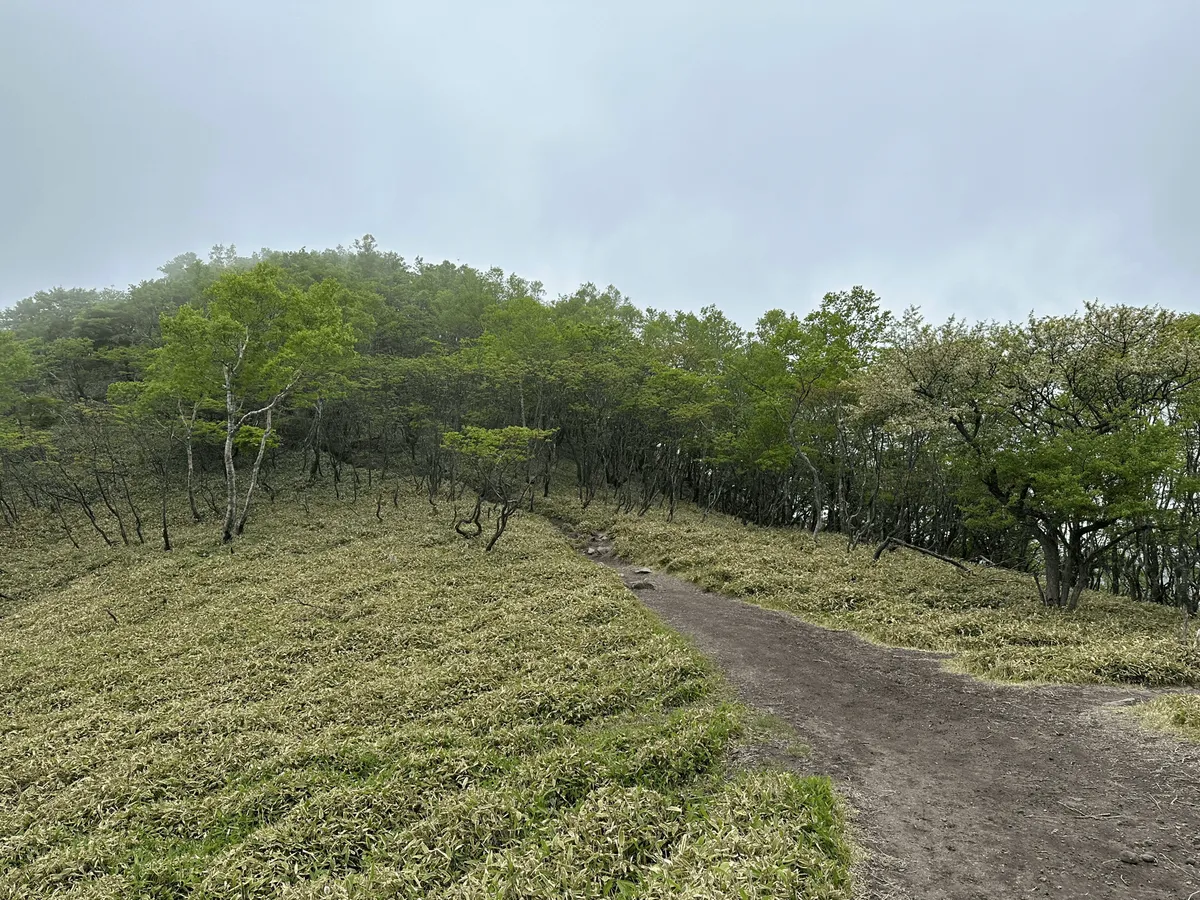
(189, 425)
(112, 509)
(1076, 592)
(164, 489)
(818, 494)
(231, 428)
(133, 510)
(262, 449)
(191, 485)
(1075, 568)
(1052, 551)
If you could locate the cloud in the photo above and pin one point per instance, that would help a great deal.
(979, 161)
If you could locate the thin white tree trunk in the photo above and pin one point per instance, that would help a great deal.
(262, 449)
(231, 428)
(189, 425)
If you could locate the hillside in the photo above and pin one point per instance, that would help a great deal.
(347, 707)
(990, 619)
(963, 788)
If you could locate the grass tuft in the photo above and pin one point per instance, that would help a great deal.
(1177, 714)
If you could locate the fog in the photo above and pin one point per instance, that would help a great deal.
(979, 159)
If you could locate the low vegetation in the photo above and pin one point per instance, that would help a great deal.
(353, 706)
(1177, 714)
(991, 619)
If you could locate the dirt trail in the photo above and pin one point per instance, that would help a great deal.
(963, 789)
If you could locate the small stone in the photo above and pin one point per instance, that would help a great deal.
(1196, 842)
(642, 571)
(643, 585)
(591, 551)
(1190, 861)
(1126, 701)
(1129, 857)
(1149, 859)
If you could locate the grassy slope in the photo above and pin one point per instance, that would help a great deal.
(364, 709)
(991, 619)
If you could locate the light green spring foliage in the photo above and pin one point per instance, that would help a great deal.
(15, 368)
(353, 708)
(495, 448)
(1177, 714)
(992, 619)
(272, 338)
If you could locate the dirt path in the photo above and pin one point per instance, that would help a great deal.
(963, 789)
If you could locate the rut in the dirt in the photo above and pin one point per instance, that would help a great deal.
(962, 789)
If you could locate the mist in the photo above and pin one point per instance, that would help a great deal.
(977, 161)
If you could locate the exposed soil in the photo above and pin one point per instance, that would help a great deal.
(961, 788)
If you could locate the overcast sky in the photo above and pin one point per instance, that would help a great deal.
(978, 158)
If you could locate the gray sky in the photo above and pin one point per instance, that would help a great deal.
(979, 158)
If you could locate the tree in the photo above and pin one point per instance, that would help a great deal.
(16, 370)
(494, 463)
(49, 315)
(798, 370)
(1063, 422)
(1067, 445)
(16, 373)
(519, 348)
(257, 345)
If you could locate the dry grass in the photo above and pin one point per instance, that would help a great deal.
(1177, 714)
(991, 620)
(349, 708)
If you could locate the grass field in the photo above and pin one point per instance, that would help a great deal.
(991, 619)
(354, 708)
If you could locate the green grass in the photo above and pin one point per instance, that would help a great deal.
(353, 708)
(1177, 714)
(992, 620)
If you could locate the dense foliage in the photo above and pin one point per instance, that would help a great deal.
(1067, 446)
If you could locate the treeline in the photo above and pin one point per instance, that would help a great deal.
(1064, 446)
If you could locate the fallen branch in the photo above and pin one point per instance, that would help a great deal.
(899, 543)
(1082, 815)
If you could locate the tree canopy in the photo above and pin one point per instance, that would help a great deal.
(1066, 446)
